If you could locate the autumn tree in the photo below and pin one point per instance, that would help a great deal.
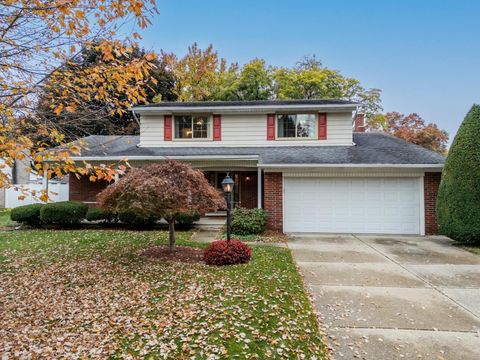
(199, 74)
(39, 40)
(95, 117)
(411, 128)
(162, 190)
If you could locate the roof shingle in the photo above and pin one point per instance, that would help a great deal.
(369, 148)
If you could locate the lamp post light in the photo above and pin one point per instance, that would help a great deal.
(227, 185)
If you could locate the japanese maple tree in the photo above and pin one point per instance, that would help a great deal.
(164, 190)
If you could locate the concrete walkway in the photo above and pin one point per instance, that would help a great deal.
(205, 235)
(393, 297)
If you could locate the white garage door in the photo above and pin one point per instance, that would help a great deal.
(352, 205)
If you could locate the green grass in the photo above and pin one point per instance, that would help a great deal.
(472, 249)
(83, 290)
(5, 218)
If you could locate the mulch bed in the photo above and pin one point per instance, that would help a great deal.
(185, 254)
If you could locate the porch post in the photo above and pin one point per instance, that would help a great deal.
(259, 188)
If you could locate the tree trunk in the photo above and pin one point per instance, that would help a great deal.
(171, 234)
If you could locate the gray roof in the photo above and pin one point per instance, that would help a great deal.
(214, 104)
(370, 148)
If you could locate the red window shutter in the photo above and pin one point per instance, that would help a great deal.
(217, 127)
(167, 128)
(322, 126)
(271, 127)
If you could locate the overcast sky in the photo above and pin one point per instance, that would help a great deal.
(424, 54)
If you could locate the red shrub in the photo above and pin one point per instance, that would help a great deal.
(222, 252)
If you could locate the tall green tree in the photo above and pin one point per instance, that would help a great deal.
(310, 80)
(253, 82)
(458, 205)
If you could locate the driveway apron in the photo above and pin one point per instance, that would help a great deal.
(393, 297)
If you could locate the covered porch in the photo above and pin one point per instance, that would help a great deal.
(247, 190)
(248, 178)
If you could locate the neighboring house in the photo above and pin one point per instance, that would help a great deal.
(24, 182)
(20, 175)
(306, 162)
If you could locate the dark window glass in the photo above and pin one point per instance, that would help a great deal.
(286, 126)
(183, 127)
(296, 125)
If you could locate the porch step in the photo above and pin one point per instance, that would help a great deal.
(210, 223)
(216, 214)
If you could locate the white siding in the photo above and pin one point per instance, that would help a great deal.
(151, 130)
(246, 130)
(57, 192)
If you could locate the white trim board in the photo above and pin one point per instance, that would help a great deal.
(242, 109)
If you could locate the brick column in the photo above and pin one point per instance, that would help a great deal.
(273, 200)
(84, 190)
(431, 182)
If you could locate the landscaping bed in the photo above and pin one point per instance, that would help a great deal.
(84, 293)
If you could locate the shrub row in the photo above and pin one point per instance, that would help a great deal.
(69, 213)
(64, 213)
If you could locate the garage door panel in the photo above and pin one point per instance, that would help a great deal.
(359, 205)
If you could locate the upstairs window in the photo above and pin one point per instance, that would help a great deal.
(296, 125)
(192, 127)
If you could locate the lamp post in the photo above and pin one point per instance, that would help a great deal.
(227, 185)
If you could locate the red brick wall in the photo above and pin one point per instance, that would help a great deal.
(273, 200)
(84, 190)
(431, 182)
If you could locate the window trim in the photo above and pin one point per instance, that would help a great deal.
(210, 128)
(296, 138)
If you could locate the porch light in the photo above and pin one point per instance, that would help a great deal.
(227, 185)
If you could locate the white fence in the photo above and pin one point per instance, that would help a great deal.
(57, 191)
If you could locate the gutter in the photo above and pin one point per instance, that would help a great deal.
(241, 109)
(162, 157)
(379, 166)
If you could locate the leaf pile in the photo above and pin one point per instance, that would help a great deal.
(77, 294)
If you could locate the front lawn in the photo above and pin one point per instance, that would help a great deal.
(85, 293)
(5, 218)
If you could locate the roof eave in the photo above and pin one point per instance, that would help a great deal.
(242, 109)
(433, 167)
(164, 157)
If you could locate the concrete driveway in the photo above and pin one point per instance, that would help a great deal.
(393, 297)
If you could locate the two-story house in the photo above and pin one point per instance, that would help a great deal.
(308, 163)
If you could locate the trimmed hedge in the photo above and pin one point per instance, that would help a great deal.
(97, 214)
(186, 220)
(248, 221)
(458, 203)
(65, 213)
(223, 252)
(136, 220)
(27, 214)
